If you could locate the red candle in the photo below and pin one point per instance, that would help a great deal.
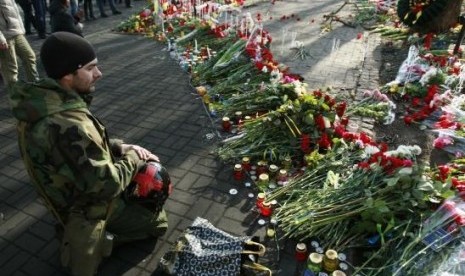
(238, 173)
(265, 209)
(301, 252)
(226, 124)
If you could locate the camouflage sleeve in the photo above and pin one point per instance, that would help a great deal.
(83, 144)
(115, 147)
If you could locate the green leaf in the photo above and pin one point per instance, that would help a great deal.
(425, 186)
(369, 202)
(383, 209)
(447, 194)
(332, 179)
(405, 195)
(417, 194)
(392, 181)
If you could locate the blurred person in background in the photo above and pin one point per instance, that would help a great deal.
(13, 44)
(40, 9)
(29, 18)
(102, 9)
(61, 20)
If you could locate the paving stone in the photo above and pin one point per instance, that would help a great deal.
(176, 207)
(16, 263)
(7, 253)
(199, 209)
(50, 250)
(30, 243)
(43, 231)
(14, 222)
(39, 267)
(35, 209)
(187, 181)
(201, 183)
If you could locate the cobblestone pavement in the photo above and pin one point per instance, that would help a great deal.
(145, 98)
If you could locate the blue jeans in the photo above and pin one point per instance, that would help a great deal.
(73, 7)
(101, 9)
(40, 10)
(18, 46)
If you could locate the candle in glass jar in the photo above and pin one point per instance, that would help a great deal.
(330, 260)
(246, 163)
(265, 209)
(282, 176)
(273, 169)
(301, 252)
(226, 123)
(263, 180)
(287, 163)
(238, 172)
(260, 199)
(261, 167)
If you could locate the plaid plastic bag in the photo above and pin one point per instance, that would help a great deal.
(203, 249)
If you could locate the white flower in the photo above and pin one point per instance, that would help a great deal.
(370, 150)
(406, 171)
(432, 71)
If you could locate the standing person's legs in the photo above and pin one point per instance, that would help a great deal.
(128, 3)
(40, 8)
(113, 8)
(101, 9)
(87, 5)
(73, 7)
(27, 56)
(9, 68)
(28, 17)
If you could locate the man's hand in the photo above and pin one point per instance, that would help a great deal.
(143, 153)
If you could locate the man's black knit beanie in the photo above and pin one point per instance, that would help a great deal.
(63, 53)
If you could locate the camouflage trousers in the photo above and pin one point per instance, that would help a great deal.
(86, 241)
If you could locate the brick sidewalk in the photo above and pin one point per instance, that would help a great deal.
(144, 98)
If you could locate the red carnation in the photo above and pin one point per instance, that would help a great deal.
(408, 120)
(305, 143)
(341, 109)
(320, 122)
(324, 142)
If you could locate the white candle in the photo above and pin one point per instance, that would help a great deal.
(195, 43)
(208, 52)
(162, 26)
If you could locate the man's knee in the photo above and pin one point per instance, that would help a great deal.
(160, 224)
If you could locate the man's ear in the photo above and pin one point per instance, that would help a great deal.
(66, 80)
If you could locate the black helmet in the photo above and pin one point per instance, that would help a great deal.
(150, 187)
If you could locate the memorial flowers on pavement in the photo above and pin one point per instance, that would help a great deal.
(346, 188)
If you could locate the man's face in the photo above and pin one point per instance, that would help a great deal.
(84, 78)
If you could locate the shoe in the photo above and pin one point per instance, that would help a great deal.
(42, 36)
(128, 6)
(93, 17)
(103, 15)
(28, 32)
(116, 12)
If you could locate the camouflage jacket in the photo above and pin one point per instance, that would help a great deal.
(66, 150)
